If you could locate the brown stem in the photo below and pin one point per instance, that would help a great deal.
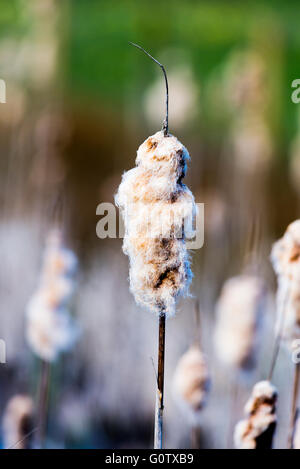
(233, 410)
(159, 406)
(43, 403)
(194, 437)
(294, 404)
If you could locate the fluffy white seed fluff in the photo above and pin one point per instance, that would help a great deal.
(238, 312)
(285, 258)
(257, 430)
(158, 210)
(49, 328)
(191, 381)
(17, 422)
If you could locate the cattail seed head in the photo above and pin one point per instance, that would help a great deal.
(285, 258)
(18, 422)
(285, 254)
(257, 430)
(49, 328)
(191, 381)
(158, 210)
(238, 312)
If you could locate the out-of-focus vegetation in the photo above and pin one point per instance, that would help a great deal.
(99, 63)
(102, 66)
(80, 100)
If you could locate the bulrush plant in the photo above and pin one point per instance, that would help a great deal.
(239, 313)
(50, 329)
(257, 430)
(239, 310)
(17, 423)
(157, 208)
(285, 257)
(191, 382)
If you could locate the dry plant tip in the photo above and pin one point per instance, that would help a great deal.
(165, 126)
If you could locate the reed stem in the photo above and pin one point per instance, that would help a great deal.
(42, 415)
(294, 404)
(195, 437)
(278, 336)
(159, 406)
(234, 396)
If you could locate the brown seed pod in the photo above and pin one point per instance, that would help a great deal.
(257, 430)
(18, 422)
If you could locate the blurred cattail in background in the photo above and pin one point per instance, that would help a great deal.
(17, 422)
(239, 311)
(257, 430)
(248, 99)
(249, 141)
(285, 257)
(191, 382)
(239, 316)
(50, 329)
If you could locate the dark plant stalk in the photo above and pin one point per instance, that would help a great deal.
(42, 415)
(159, 407)
(294, 404)
(197, 342)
